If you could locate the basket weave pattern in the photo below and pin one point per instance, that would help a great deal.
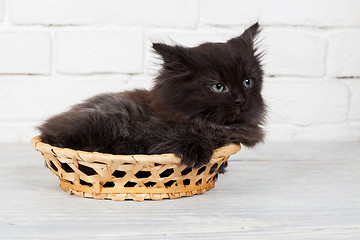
(136, 177)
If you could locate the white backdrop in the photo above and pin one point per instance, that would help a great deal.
(55, 53)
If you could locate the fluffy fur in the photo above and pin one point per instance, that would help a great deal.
(181, 114)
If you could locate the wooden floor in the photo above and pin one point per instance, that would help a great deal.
(277, 191)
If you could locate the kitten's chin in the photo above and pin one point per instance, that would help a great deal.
(236, 118)
(239, 115)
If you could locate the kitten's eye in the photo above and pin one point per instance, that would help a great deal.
(248, 83)
(218, 87)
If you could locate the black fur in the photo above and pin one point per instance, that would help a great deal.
(181, 114)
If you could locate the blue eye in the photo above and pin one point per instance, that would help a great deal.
(218, 87)
(248, 83)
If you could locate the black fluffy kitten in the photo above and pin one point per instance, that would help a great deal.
(203, 98)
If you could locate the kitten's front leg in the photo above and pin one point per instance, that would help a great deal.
(248, 135)
(193, 147)
(187, 143)
(196, 153)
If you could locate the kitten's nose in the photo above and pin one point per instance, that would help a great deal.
(240, 101)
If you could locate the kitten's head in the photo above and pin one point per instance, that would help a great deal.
(219, 82)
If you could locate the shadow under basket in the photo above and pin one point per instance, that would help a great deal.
(135, 177)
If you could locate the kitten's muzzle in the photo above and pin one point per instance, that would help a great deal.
(240, 102)
(239, 99)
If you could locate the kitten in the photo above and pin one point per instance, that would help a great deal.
(203, 98)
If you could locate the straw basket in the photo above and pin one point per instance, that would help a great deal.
(136, 177)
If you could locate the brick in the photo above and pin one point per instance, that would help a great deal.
(344, 53)
(354, 87)
(99, 52)
(1, 10)
(305, 102)
(185, 38)
(280, 132)
(321, 13)
(25, 53)
(291, 52)
(346, 131)
(172, 13)
(37, 98)
(139, 81)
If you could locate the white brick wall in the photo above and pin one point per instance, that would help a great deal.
(294, 52)
(319, 13)
(79, 52)
(344, 48)
(354, 111)
(25, 52)
(303, 102)
(1, 9)
(162, 13)
(55, 53)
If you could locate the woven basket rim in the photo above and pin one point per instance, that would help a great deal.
(40, 146)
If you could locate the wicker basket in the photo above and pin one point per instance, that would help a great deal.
(136, 177)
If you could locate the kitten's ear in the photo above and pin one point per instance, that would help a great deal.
(173, 56)
(165, 51)
(252, 32)
(248, 36)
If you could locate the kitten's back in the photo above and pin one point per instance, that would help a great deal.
(98, 124)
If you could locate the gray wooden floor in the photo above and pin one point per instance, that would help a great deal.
(277, 191)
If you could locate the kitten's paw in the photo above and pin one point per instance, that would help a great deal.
(195, 155)
(250, 143)
(222, 168)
